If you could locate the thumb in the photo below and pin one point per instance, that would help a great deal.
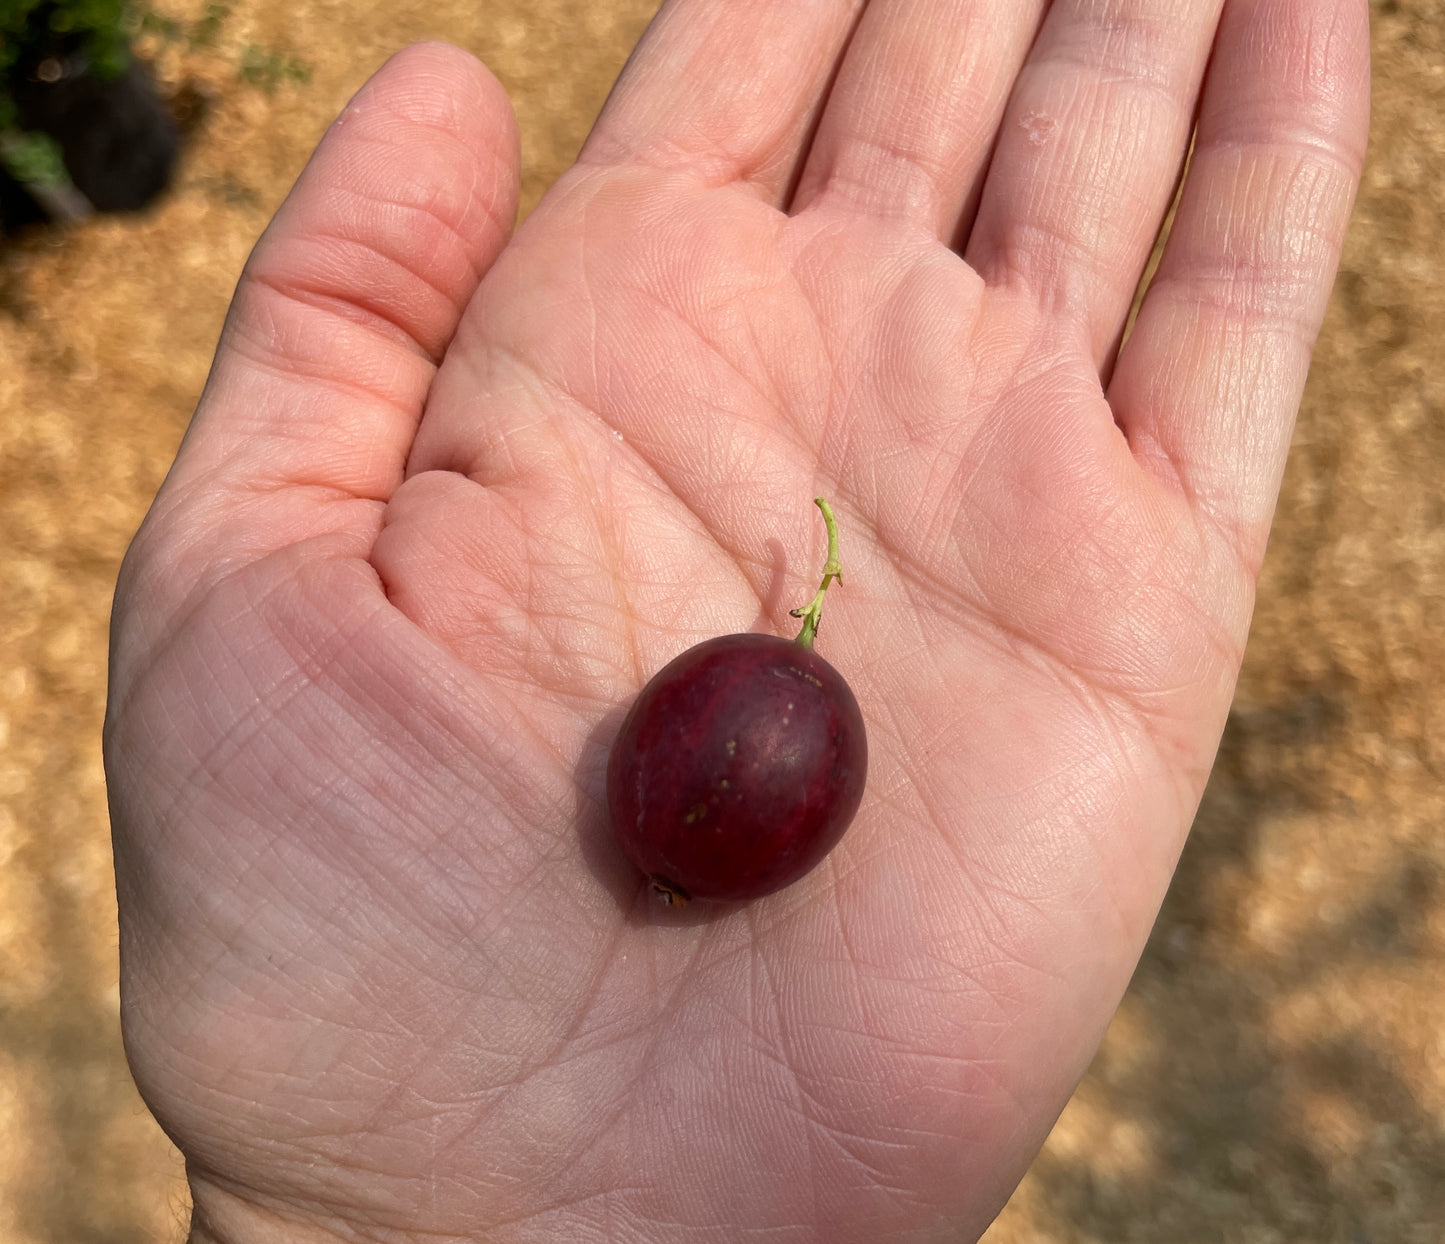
(342, 315)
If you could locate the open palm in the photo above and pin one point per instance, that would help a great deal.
(450, 498)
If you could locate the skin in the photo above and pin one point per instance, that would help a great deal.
(451, 496)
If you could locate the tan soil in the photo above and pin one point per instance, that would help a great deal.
(1277, 1071)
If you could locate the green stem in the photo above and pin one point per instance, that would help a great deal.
(813, 610)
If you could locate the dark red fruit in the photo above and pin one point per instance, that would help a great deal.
(738, 769)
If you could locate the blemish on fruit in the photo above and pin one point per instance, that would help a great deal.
(671, 895)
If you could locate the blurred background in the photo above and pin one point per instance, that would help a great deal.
(1277, 1070)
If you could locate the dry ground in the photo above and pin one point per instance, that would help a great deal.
(1277, 1071)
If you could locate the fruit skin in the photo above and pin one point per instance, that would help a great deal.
(737, 769)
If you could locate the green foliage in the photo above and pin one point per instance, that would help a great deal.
(208, 26)
(105, 28)
(201, 33)
(34, 159)
(149, 22)
(267, 68)
(24, 24)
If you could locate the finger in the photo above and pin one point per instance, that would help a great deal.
(727, 92)
(1089, 155)
(347, 305)
(1208, 383)
(910, 121)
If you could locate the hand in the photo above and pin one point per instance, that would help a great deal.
(451, 497)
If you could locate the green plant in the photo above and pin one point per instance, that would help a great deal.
(268, 68)
(34, 159)
(208, 26)
(201, 33)
(27, 26)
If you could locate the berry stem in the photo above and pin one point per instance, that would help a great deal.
(812, 612)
